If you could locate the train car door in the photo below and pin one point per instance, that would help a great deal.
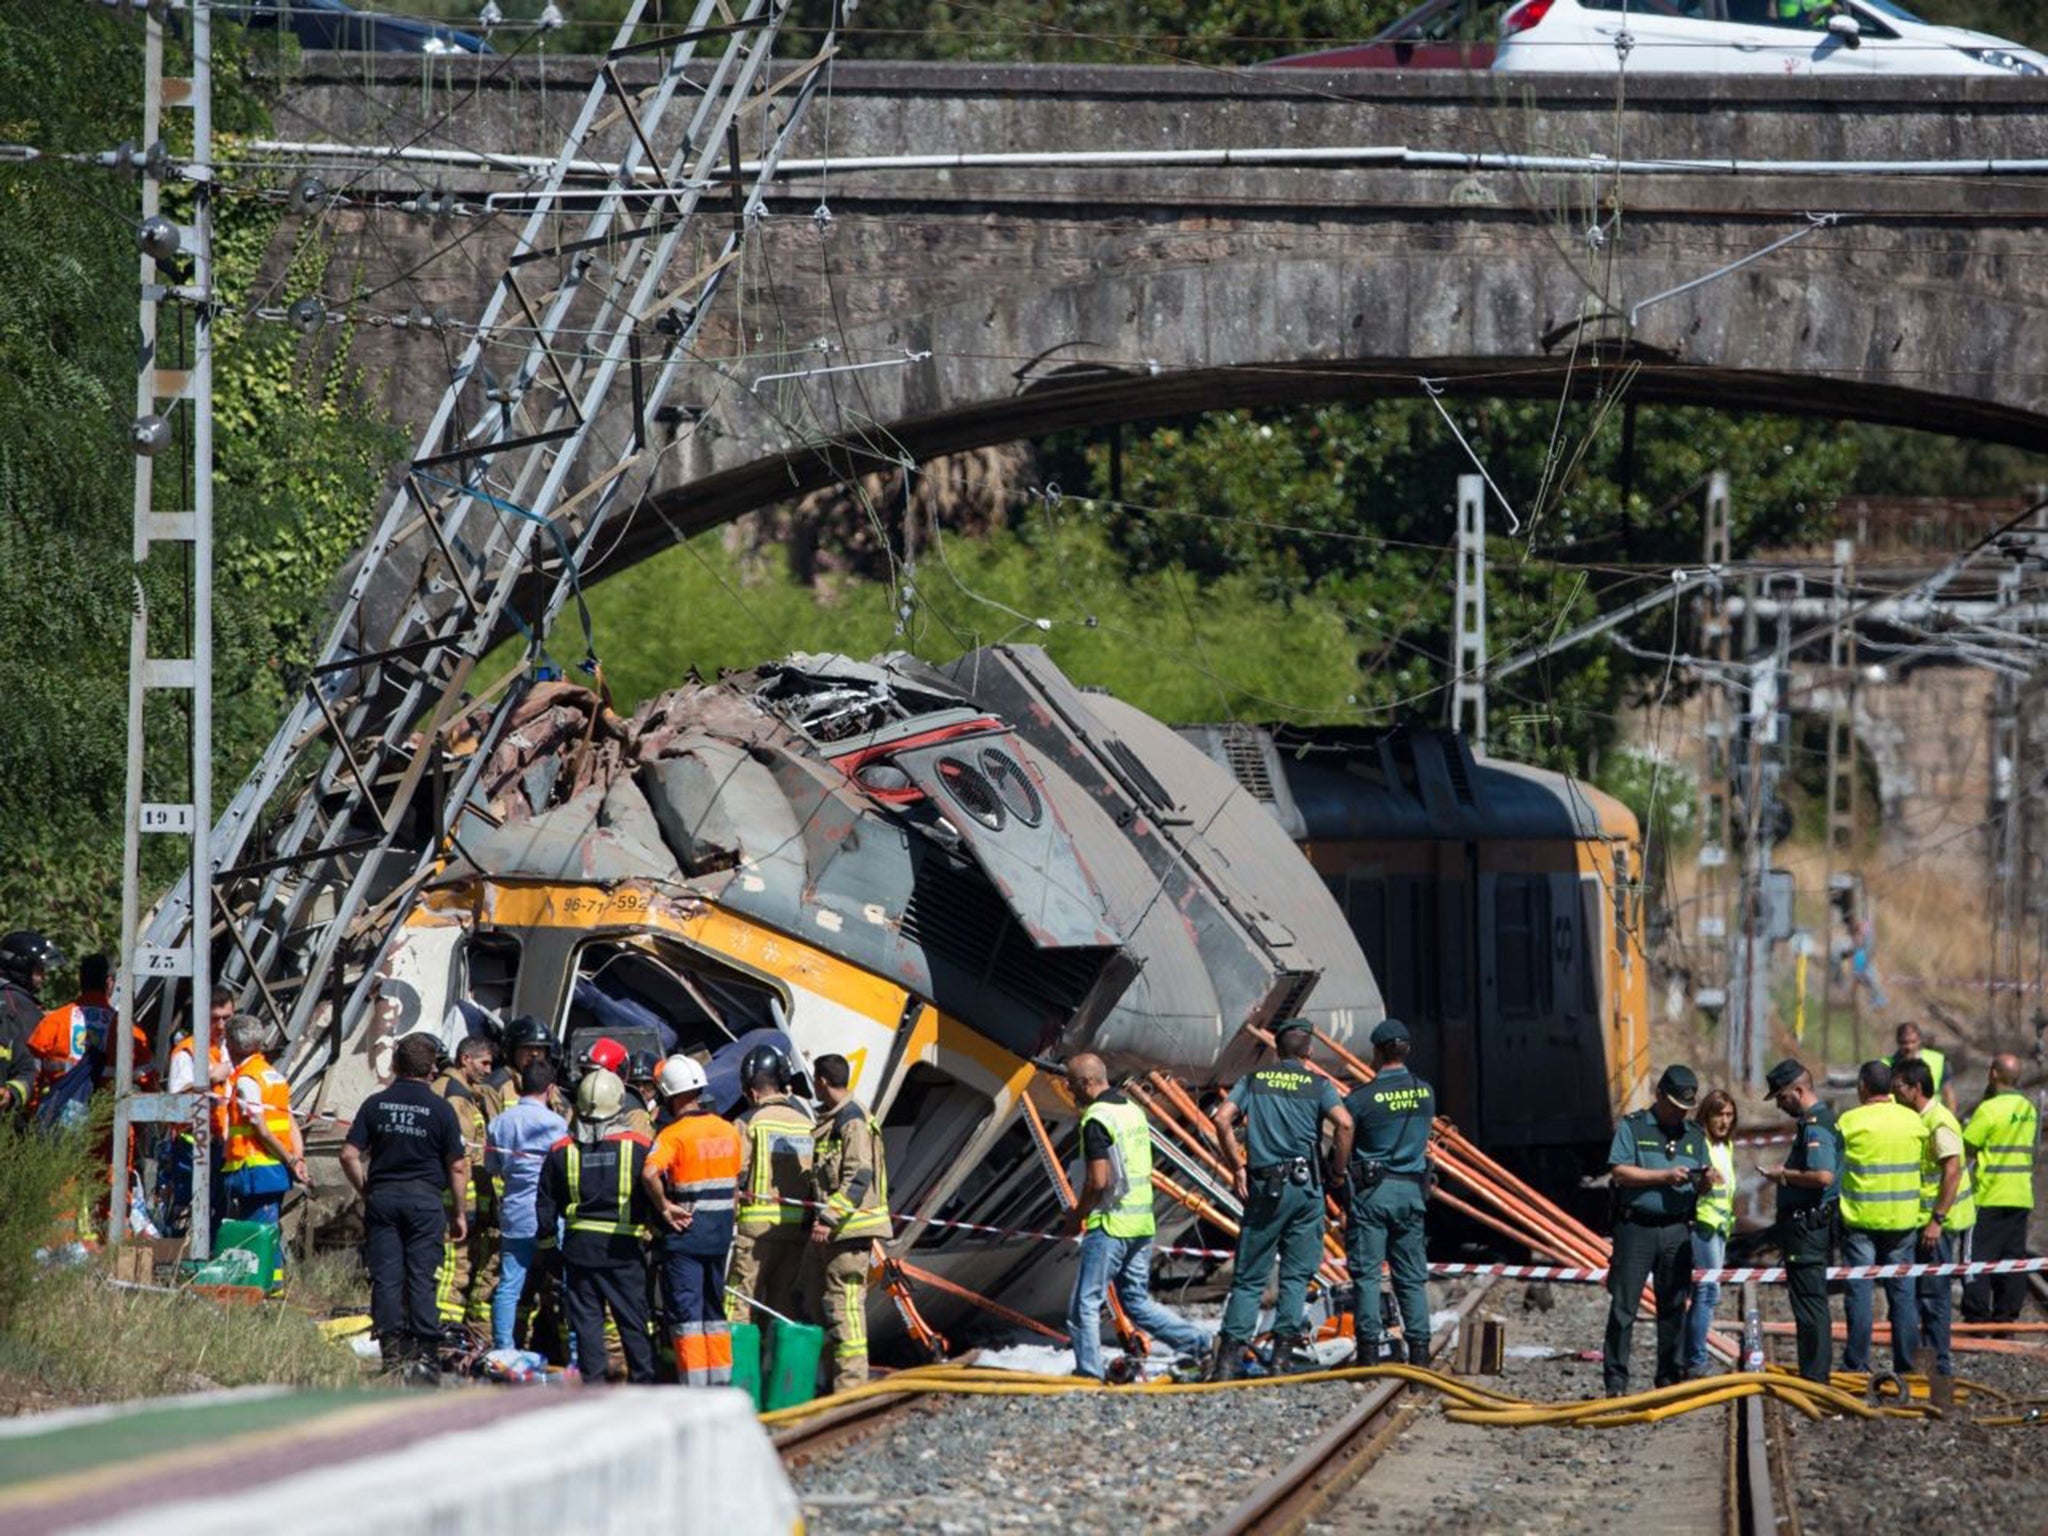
(1459, 1071)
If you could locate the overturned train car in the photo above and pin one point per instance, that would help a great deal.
(946, 875)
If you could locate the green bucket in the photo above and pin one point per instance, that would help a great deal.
(793, 1376)
(245, 1253)
(746, 1360)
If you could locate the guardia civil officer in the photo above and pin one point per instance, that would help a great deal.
(1392, 1114)
(1659, 1165)
(1808, 1191)
(1278, 1176)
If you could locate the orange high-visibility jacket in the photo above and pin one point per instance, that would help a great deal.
(244, 1150)
(67, 1032)
(217, 1093)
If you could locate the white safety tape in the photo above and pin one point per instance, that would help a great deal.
(1765, 1275)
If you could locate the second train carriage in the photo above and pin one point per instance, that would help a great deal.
(1501, 908)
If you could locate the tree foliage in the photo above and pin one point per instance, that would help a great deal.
(297, 467)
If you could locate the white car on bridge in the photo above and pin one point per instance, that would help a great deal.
(1744, 37)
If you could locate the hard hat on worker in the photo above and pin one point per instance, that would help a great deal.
(600, 1096)
(607, 1053)
(679, 1075)
(765, 1063)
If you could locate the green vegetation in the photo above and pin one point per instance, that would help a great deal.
(297, 471)
(88, 1340)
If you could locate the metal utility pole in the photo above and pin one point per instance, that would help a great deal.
(2009, 915)
(1841, 835)
(173, 405)
(1749, 990)
(1468, 684)
(1717, 762)
(594, 297)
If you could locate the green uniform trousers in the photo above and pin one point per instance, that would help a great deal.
(1661, 1255)
(1386, 1228)
(1288, 1222)
(1806, 1285)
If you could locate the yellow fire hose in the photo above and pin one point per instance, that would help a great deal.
(1470, 1403)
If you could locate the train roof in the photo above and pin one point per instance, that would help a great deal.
(1340, 785)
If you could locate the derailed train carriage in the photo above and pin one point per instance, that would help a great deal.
(945, 875)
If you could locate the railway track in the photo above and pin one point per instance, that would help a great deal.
(1339, 1457)
(1755, 1501)
(836, 1427)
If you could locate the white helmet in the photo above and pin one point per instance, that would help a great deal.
(679, 1075)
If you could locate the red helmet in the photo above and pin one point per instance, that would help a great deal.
(607, 1053)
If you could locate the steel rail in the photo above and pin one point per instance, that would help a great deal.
(1338, 1458)
(837, 1427)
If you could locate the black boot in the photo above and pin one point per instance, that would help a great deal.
(1418, 1352)
(1228, 1362)
(1294, 1354)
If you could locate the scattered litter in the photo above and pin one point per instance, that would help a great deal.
(364, 1347)
(1536, 1352)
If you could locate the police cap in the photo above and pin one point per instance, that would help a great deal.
(1387, 1031)
(1679, 1085)
(1783, 1076)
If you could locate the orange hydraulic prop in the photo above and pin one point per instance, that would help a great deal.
(1134, 1343)
(975, 1298)
(1185, 1103)
(926, 1337)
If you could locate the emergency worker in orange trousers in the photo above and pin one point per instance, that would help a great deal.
(692, 1182)
(851, 1213)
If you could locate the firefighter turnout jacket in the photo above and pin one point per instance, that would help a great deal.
(778, 1151)
(852, 1183)
(592, 1188)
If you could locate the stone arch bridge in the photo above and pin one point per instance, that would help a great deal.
(1389, 228)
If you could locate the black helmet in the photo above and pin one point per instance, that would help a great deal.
(24, 952)
(527, 1030)
(641, 1067)
(765, 1061)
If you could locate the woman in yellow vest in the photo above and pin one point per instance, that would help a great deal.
(1713, 1221)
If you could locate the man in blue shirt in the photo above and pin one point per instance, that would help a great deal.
(517, 1144)
(1277, 1175)
(1392, 1114)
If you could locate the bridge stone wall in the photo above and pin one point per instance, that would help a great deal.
(1064, 292)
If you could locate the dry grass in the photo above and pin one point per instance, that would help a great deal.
(1935, 927)
(82, 1339)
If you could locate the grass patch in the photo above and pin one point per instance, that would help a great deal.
(329, 1283)
(44, 1175)
(85, 1340)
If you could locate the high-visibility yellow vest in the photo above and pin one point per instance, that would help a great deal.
(1937, 1064)
(850, 1218)
(1881, 1155)
(781, 1151)
(620, 1221)
(1963, 1214)
(2003, 1132)
(1126, 1209)
(1715, 1212)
